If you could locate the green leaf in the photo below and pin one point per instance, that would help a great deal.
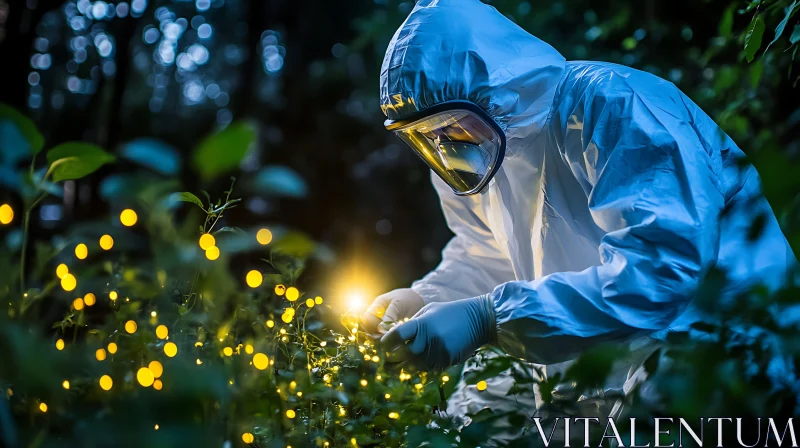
(753, 36)
(73, 160)
(726, 24)
(25, 125)
(222, 152)
(756, 70)
(779, 29)
(185, 196)
(228, 229)
(795, 37)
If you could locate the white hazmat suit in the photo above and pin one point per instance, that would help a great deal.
(607, 209)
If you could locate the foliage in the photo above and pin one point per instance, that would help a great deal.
(251, 359)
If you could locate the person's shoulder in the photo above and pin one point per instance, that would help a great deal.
(611, 80)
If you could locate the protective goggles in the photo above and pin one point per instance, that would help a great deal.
(458, 140)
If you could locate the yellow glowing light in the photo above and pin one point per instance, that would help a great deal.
(100, 354)
(199, 362)
(60, 344)
(62, 270)
(264, 237)
(112, 348)
(212, 253)
(113, 295)
(207, 240)
(270, 323)
(106, 242)
(290, 413)
(6, 214)
(284, 339)
(106, 382)
(356, 300)
(77, 304)
(158, 385)
(156, 368)
(65, 384)
(394, 415)
(364, 383)
(89, 299)
(247, 438)
(260, 361)
(227, 351)
(156, 426)
(418, 386)
(323, 343)
(170, 349)
(318, 300)
(353, 441)
(292, 294)
(68, 282)
(286, 317)
(445, 378)
(310, 303)
(81, 251)
(376, 359)
(387, 396)
(128, 217)
(280, 290)
(283, 331)
(248, 349)
(153, 313)
(366, 357)
(293, 384)
(481, 385)
(130, 326)
(198, 344)
(254, 279)
(43, 407)
(145, 377)
(162, 331)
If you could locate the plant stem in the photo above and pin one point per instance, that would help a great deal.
(25, 241)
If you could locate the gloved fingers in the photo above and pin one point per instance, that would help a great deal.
(398, 355)
(394, 313)
(394, 342)
(370, 319)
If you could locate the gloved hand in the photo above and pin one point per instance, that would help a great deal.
(389, 308)
(441, 334)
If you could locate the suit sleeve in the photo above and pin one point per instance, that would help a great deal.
(472, 263)
(655, 193)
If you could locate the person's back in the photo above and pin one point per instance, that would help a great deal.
(590, 92)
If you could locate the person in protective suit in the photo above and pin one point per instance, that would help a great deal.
(586, 198)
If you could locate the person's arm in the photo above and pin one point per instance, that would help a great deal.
(472, 263)
(655, 192)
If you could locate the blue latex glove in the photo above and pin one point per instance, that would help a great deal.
(441, 334)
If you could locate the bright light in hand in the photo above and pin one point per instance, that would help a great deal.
(356, 300)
